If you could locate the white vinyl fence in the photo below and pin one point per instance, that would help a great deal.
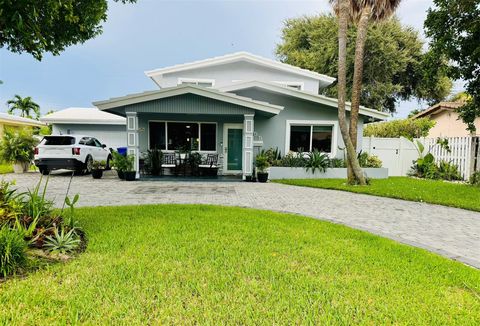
(398, 154)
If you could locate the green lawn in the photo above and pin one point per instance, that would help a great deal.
(186, 264)
(429, 191)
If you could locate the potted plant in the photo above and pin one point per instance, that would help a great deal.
(261, 164)
(17, 147)
(129, 172)
(97, 169)
(119, 163)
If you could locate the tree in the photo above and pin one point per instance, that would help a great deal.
(36, 27)
(396, 67)
(25, 105)
(342, 9)
(454, 27)
(363, 12)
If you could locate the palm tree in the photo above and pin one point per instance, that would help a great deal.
(343, 11)
(24, 105)
(361, 12)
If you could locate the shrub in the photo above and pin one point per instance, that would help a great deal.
(448, 171)
(153, 161)
(261, 163)
(338, 163)
(273, 155)
(317, 161)
(408, 128)
(12, 251)
(17, 146)
(99, 165)
(61, 242)
(369, 161)
(123, 163)
(293, 160)
(475, 179)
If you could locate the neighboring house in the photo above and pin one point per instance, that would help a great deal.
(448, 123)
(13, 121)
(234, 105)
(107, 128)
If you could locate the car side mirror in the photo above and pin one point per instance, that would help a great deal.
(104, 146)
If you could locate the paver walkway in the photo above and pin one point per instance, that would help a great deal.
(451, 232)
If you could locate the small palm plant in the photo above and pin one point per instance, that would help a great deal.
(62, 242)
(317, 161)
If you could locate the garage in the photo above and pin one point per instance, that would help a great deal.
(108, 128)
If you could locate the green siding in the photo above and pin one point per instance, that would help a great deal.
(272, 130)
(188, 104)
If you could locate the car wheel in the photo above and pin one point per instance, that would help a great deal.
(107, 166)
(88, 165)
(44, 171)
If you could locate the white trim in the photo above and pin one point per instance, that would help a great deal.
(291, 83)
(166, 150)
(316, 98)
(312, 123)
(182, 80)
(240, 56)
(131, 122)
(188, 89)
(227, 126)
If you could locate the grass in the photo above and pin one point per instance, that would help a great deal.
(429, 191)
(190, 264)
(6, 168)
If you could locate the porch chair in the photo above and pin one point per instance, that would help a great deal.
(210, 165)
(169, 160)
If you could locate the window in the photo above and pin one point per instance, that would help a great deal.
(183, 136)
(58, 141)
(307, 138)
(295, 85)
(157, 135)
(208, 136)
(197, 82)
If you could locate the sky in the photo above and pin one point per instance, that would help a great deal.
(153, 34)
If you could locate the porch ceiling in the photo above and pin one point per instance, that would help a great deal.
(118, 105)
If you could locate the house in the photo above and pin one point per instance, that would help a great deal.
(234, 105)
(448, 122)
(108, 128)
(13, 121)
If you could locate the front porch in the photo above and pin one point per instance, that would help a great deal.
(192, 119)
(227, 140)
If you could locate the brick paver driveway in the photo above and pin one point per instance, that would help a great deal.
(451, 232)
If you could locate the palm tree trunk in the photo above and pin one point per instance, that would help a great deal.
(362, 29)
(352, 161)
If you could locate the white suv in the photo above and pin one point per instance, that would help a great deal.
(71, 152)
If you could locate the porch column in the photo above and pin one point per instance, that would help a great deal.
(248, 145)
(132, 139)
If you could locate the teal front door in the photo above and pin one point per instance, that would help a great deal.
(233, 147)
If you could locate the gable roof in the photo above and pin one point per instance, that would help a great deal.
(303, 95)
(83, 116)
(437, 108)
(188, 89)
(241, 56)
(20, 121)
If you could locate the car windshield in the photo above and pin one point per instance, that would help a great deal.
(59, 140)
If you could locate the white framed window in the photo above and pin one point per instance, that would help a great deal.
(291, 84)
(196, 81)
(178, 135)
(310, 135)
